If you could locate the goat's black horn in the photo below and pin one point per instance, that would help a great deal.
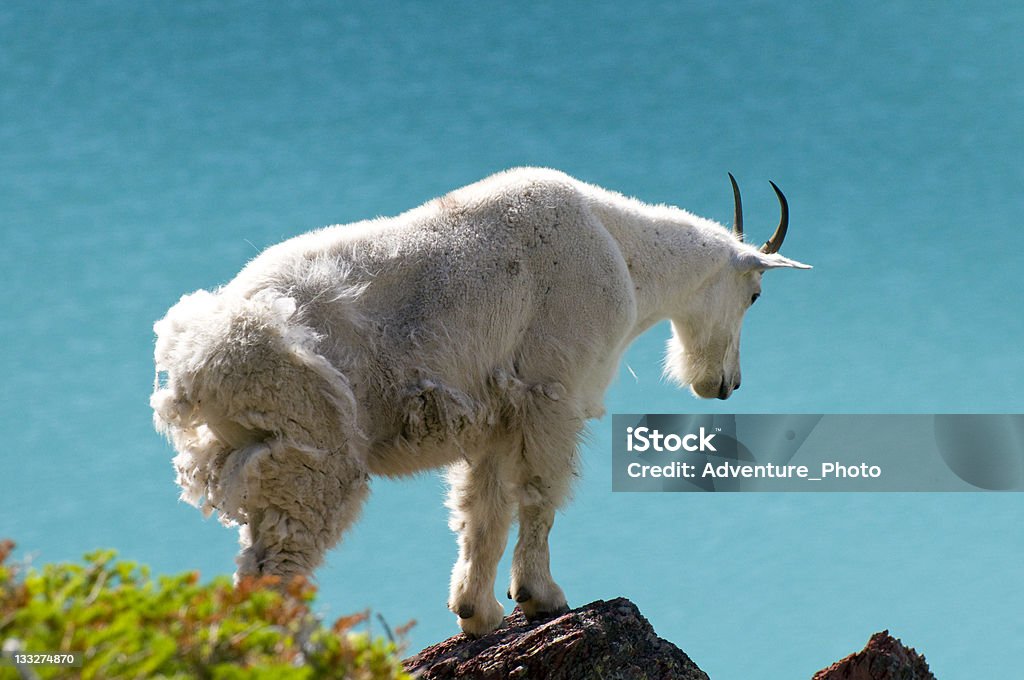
(773, 244)
(737, 220)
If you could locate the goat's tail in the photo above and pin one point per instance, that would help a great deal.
(236, 375)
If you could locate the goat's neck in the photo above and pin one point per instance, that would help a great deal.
(670, 254)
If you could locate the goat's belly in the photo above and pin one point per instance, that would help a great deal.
(399, 458)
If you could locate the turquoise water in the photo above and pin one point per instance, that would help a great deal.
(149, 149)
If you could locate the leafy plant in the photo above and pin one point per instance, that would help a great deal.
(129, 624)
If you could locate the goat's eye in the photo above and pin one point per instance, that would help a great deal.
(753, 298)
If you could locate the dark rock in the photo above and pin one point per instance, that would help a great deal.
(884, 658)
(609, 640)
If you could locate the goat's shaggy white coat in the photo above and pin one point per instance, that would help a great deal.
(477, 332)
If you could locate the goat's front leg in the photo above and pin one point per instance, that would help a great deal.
(298, 503)
(481, 512)
(532, 586)
(546, 467)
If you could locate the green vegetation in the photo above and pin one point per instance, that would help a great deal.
(129, 624)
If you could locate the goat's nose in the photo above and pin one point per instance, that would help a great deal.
(736, 386)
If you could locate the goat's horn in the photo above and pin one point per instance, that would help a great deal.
(773, 244)
(737, 220)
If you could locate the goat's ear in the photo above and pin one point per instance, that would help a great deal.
(751, 261)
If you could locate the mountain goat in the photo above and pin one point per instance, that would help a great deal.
(477, 332)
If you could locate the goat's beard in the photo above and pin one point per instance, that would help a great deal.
(690, 369)
(676, 365)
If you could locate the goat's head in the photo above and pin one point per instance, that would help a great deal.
(704, 351)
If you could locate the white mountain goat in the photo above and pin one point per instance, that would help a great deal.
(478, 332)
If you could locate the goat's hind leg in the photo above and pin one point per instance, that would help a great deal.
(480, 500)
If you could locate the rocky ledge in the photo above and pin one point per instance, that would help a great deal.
(883, 658)
(612, 640)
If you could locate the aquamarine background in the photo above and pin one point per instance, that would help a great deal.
(148, 149)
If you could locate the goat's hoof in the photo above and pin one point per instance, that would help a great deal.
(541, 599)
(544, 614)
(477, 621)
(523, 594)
(544, 602)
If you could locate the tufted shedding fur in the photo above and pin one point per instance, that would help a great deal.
(477, 332)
